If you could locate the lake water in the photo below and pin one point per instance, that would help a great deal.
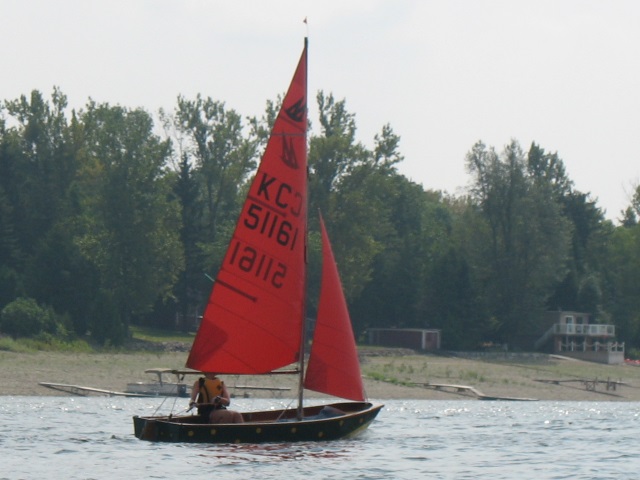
(92, 438)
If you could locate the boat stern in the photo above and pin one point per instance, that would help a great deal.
(145, 428)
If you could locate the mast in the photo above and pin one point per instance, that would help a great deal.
(253, 321)
(303, 333)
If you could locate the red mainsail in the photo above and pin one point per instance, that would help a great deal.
(333, 363)
(254, 319)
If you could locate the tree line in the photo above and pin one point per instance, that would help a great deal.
(111, 217)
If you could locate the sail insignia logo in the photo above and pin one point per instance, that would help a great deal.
(297, 111)
(289, 153)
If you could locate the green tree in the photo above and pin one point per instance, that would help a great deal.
(375, 245)
(131, 225)
(629, 218)
(452, 293)
(589, 231)
(622, 295)
(189, 285)
(9, 253)
(411, 228)
(632, 212)
(527, 243)
(453, 305)
(224, 156)
(216, 154)
(25, 318)
(40, 165)
(59, 275)
(620, 271)
(635, 201)
(333, 152)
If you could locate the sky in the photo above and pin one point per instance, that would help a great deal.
(444, 74)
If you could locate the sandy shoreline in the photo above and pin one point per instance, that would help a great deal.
(388, 376)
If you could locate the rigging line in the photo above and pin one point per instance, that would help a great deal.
(285, 409)
(160, 406)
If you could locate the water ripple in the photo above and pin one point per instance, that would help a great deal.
(93, 438)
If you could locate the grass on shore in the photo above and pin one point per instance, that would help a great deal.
(390, 371)
(49, 343)
(157, 335)
(514, 376)
(395, 373)
(44, 343)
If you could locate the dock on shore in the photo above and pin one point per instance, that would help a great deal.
(465, 390)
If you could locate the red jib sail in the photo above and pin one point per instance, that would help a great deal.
(333, 363)
(253, 321)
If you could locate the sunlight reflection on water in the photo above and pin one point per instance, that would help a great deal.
(92, 438)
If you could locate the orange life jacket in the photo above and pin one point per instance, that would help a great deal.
(209, 389)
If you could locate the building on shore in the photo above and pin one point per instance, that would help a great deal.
(576, 335)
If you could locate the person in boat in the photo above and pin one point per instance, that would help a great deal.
(210, 395)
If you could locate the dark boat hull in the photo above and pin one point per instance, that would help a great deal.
(323, 422)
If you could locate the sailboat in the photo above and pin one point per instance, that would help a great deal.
(254, 322)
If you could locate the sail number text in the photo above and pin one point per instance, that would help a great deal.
(273, 202)
(283, 195)
(257, 263)
(271, 225)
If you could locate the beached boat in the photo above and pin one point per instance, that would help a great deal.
(161, 386)
(84, 391)
(254, 322)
